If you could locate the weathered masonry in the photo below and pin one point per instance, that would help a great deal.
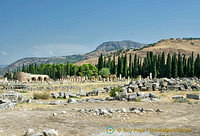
(26, 77)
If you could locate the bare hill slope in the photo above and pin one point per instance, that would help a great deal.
(184, 46)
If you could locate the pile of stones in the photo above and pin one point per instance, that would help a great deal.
(90, 100)
(125, 96)
(189, 96)
(49, 88)
(49, 132)
(10, 99)
(96, 92)
(163, 84)
(111, 112)
(66, 95)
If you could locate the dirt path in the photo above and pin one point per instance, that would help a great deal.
(175, 115)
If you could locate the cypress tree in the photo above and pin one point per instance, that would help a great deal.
(192, 65)
(174, 66)
(100, 62)
(122, 65)
(119, 66)
(35, 68)
(68, 68)
(188, 67)
(109, 63)
(162, 71)
(23, 68)
(139, 67)
(130, 65)
(158, 66)
(104, 62)
(184, 66)
(125, 70)
(135, 69)
(148, 63)
(169, 66)
(154, 70)
(180, 66)
(197, 66)
(113, 65)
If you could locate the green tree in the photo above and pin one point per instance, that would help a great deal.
(135, 69)
(158, 65)
(125, 70)
(130, 65)
(169, 66)
(100, 62)
(197, 66)
(108, 65)
(122, 65)
(192, 65)
(119, 66)
(189, 67)
(184, 65)
(104, 72)
(162, 65)
(113, 67)
(174, 66)
(104, 62)
(180, 66)
(154, 70)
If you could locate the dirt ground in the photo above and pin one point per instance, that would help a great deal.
(174, 115)
(184, 116)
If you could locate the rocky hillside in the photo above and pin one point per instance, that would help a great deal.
(117, 45)
(105, 48)
(112, 46)
(184, 46)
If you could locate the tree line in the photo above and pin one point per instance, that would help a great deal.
(160, 65)
(56, 71)
(128, 65)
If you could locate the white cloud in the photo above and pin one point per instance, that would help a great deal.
(4, 53)
(58, 49)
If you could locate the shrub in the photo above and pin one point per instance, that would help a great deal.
(181, 100)
(104, 72)
(22, 91)
(138, 100)
(115, 89)
(43, 95)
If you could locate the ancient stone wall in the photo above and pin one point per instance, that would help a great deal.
(26, 77)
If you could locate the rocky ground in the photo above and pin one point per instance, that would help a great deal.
(68, 120)
(146, 113)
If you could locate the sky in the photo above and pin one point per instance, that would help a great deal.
(45, 28)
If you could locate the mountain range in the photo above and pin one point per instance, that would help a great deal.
(174, 45)
(105, 48)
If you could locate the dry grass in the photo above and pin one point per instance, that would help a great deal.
(42, 95)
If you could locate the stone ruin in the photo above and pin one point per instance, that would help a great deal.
(110, 78)
(27, 77)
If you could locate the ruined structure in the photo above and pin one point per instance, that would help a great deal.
(26, 77)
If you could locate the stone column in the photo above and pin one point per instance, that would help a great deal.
(108, 79)
(150, 76)
(139, 77)
(120, 76)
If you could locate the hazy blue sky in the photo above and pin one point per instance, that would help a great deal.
(30, 28)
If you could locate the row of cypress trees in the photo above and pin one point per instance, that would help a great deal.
(56, 71)
(172, 65)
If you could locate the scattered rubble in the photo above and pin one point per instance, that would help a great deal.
(177, 97)
(193, 96)
(111, 112)
(10, 100)
(48, 132)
